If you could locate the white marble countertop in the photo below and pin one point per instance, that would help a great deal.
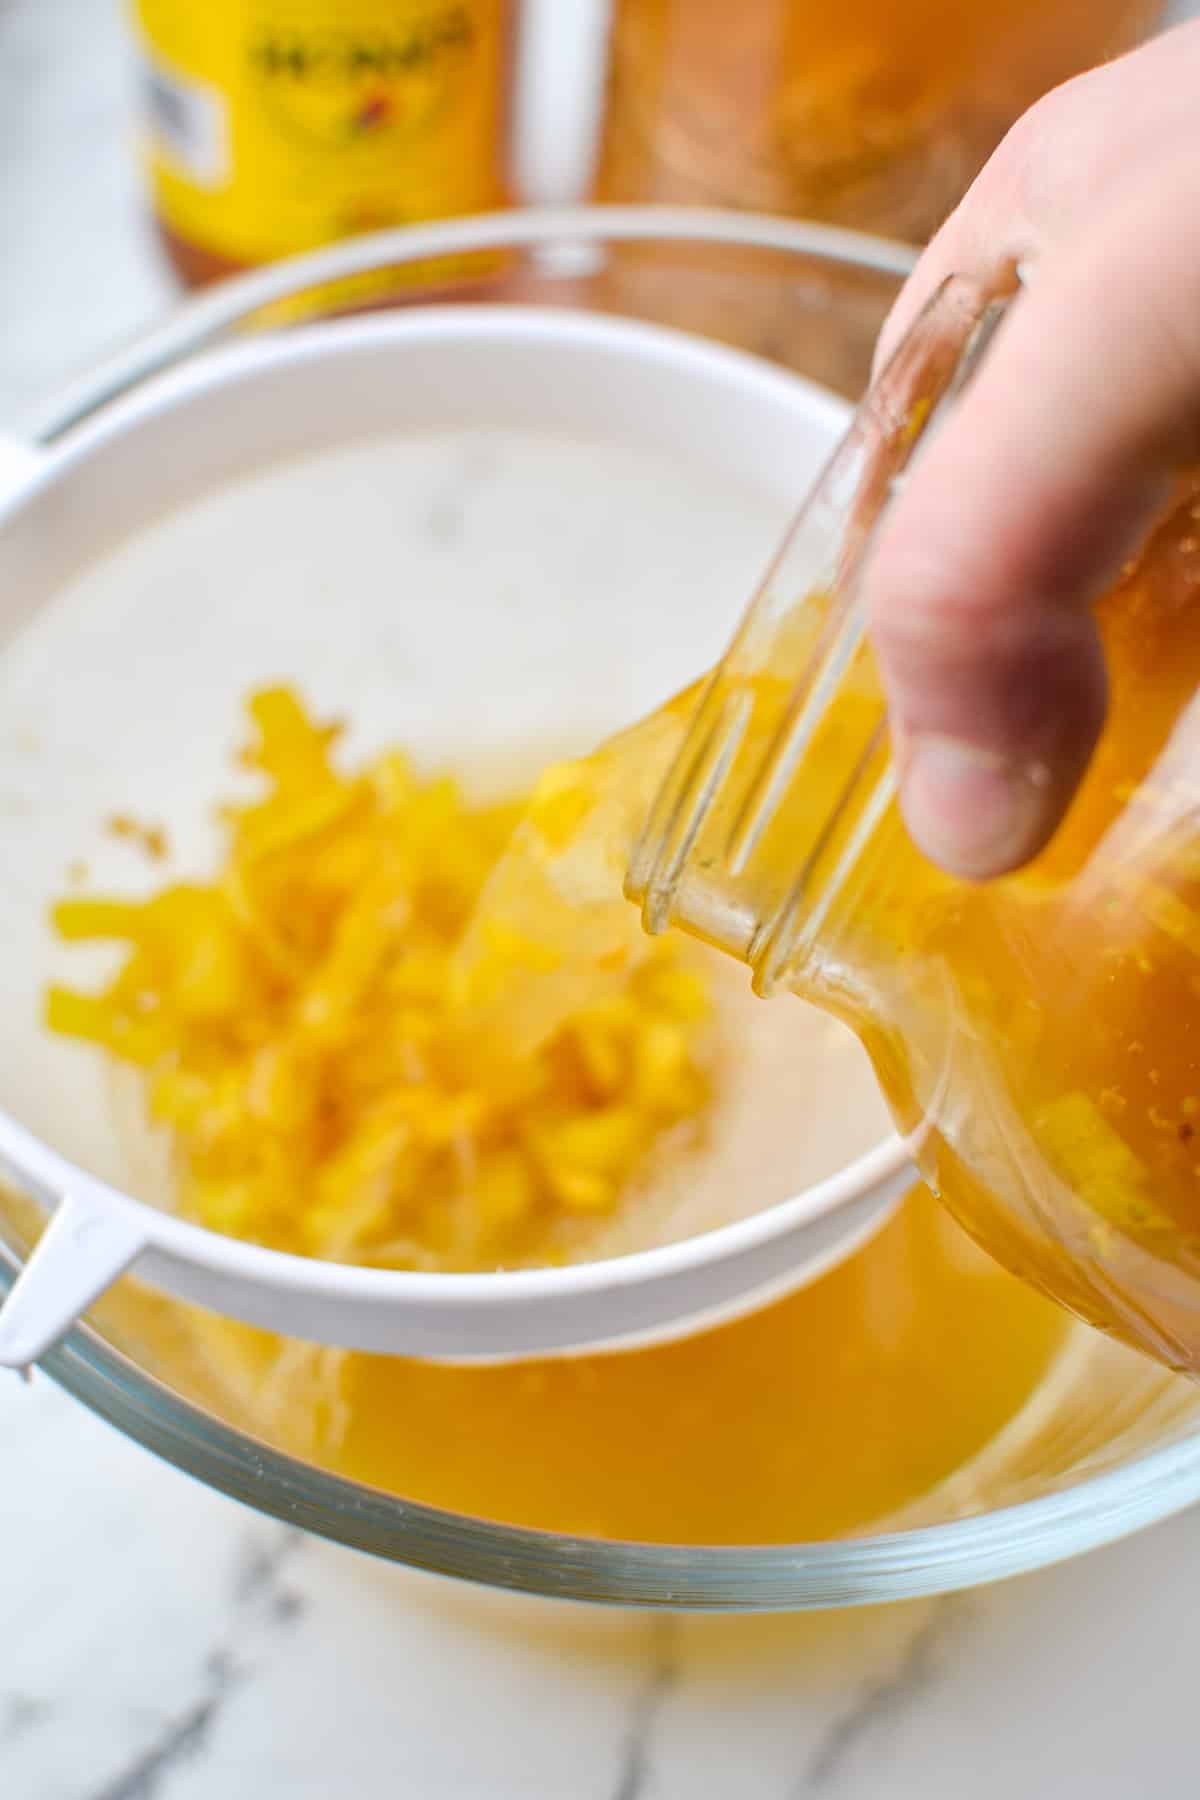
(158, 1642)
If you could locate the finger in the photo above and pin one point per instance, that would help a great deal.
(1024, 504)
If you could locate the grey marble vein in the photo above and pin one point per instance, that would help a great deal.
(258, 1595)
(181, 1739)
(880, 1702)
(661, 1677)
(257, 1577)
(19, 1712)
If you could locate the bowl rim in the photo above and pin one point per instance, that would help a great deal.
(917, 1561)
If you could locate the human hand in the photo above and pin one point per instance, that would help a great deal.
(1054, 461)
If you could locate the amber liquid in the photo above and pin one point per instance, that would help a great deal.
(865, 113)
(808, 1419)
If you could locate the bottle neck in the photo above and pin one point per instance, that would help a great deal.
(760, 840)
(757, 839)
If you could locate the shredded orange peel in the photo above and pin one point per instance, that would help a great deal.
(328, 1029)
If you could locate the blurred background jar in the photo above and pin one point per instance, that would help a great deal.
(275, 126)
(875, 114)
(271, 127)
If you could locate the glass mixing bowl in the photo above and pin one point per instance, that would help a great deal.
(1107, 1442)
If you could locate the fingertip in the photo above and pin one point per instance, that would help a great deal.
(974, 812)
(994, 722)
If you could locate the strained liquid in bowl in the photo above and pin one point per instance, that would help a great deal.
(818, 1415)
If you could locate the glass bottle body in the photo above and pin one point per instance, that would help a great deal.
(1037, 1038)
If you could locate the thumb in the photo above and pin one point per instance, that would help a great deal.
(1024, 505)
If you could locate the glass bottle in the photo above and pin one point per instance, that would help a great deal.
(1038, 1037)
(864, 113)
(270, 127)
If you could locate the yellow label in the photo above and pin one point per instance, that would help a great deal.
(275, 126)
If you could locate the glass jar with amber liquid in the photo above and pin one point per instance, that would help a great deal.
(271, 127)
(865, 113)
(1038, 1037)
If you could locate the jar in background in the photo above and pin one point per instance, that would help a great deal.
(865, 113)
(271, 127)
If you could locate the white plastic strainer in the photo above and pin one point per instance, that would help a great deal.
(321, 505)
